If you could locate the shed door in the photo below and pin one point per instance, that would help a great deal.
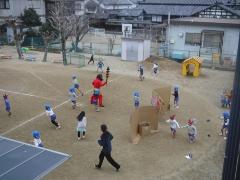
(132, 52)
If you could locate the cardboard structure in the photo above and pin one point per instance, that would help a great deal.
(144, 120)
(193, 61)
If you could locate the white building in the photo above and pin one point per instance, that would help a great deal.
(214, 40)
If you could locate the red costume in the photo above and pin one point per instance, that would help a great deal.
(97, 84)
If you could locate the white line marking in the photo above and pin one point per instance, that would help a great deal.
(26, 94)
(41, 114)
(45, 82)
(32, 119)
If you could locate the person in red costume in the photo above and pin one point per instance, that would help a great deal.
(97, 95)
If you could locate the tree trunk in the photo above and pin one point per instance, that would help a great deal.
(45, 53)
(77, 42)
(17, 42)
(64, 55)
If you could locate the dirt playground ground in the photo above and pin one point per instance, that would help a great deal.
(156, 157)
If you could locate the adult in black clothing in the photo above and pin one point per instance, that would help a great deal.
(105, 142)
(91, 59)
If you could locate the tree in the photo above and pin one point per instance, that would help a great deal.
(80, 28)
(48, 34)
(15, 23)
(30, 18)
(63, 24)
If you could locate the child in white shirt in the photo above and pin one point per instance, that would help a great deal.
(173, 125)
(52, 115)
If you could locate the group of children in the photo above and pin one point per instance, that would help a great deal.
(155, 70)
(191, 128)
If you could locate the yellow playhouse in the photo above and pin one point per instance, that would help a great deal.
(191, 66)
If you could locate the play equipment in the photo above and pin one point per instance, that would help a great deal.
(144, 119)
(188, 63)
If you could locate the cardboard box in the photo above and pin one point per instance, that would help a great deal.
(144, 129)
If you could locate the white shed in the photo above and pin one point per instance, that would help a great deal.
(135, 49)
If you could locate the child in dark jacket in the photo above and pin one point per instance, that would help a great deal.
(105, 142)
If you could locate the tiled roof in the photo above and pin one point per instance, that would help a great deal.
(116, 2)
(178, 10)
(207, 21)
(127, 12)
(186, 2)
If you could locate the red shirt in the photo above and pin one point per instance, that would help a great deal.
(97, 83)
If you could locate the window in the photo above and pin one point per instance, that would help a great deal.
(193, 38)
(156, 18)
(4, 4)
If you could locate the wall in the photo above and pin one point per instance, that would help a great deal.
(230, 38)
(17, 7)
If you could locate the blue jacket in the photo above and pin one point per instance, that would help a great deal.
(105, 142)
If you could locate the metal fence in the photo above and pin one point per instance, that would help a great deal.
(210, 58)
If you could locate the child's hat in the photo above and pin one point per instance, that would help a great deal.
(36, 134)
(136, 93)
(226, 114)
(172, 117)
(190, 122)
(74, 76)
(47, 106)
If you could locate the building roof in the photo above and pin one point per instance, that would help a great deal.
(126, 12)
(185, 2)
(116, 2)
(178, 10)
(207, 21)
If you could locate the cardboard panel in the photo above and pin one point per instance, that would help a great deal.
(149, 114)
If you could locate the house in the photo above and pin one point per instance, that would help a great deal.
(14, 8)
(215, 40)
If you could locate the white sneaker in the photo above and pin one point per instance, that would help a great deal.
(83, 137)
(79, 139)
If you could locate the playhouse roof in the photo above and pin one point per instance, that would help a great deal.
(192, 60)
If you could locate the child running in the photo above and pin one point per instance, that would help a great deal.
(76, 85)
(52, 115)
(100, 65)
(192, 131)
(73, 97)
(37, 141)
(225, 124)
(81, 126)
(173, 125)
(7, 104)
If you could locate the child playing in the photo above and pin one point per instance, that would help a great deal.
(155, 69)
(176, 97)
(81, 126)
(224, 129)
(140, 69)
(136, 99)
(76, 85)
(52, 115)
(91, 59)
(37, 141)
(173, 125)
(100, 65)
(73, 97)
(7, 104)
(192, 131)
